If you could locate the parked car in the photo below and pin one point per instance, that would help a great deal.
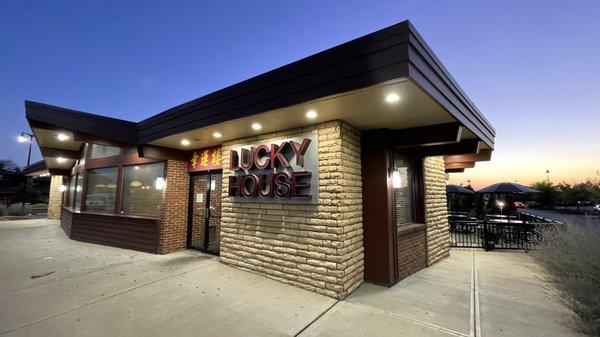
(519, 204)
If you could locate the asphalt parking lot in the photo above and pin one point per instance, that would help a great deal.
(53, 286)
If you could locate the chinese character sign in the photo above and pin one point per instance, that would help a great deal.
(205, 159)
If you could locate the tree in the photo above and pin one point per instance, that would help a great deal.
(8, 166)
(548, 194)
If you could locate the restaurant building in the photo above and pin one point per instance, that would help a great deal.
(323, 173)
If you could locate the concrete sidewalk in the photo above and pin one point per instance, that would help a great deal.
(102, 291)
(81, 289)
(472, 293)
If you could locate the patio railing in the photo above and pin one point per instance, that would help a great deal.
(498, 232)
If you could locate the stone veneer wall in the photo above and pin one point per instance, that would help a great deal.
(55, 198)
(436, 212)
(172, 229)
(315, 247)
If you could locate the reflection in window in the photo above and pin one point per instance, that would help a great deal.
(142, 189)
(103, 151)
(402, 181)
(78, 191)
(130, 149)
(71, 191)
(101, 190)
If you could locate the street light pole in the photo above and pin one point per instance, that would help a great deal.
(23, 139)
(548, 176)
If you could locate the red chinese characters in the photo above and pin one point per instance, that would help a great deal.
(205, 159)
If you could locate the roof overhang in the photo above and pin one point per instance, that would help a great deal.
(396, 54)
(348, 82)
(37, 169)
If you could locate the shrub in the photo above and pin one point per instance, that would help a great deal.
(3, 210)
(19, 209)
(571, 254)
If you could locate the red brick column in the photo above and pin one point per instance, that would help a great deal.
(174, 214)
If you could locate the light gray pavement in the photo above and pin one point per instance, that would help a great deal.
(102, 291)
(472, 293)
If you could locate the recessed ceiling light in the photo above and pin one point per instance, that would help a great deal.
(61, 159)
(185, 142)
(62, 137)
(256, 126)
(392, 98)
(217, 134)
(311, 114)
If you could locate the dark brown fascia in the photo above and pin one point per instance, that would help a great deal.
(392, 53)
(483, 155)
(461, 170)
(54, 152)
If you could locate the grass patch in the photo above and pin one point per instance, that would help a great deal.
(571, 254)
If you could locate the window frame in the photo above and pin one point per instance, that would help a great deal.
(87, 184)
(119, 162)
(119, 206)
(417, 187)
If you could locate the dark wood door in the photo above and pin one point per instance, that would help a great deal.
(205, 212)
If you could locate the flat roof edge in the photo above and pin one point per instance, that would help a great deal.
(79, 121)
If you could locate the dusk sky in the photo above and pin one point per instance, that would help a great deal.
(531, 67)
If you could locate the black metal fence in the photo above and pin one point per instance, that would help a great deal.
(498, 233)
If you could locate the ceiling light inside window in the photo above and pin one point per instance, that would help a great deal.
(392, 98)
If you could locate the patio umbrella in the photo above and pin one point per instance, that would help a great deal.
(452, 190)
(507, 188)
(455, 189)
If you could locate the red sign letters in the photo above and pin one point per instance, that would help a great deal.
(267, 171)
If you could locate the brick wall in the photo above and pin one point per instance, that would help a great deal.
(315, 247)
(436, 213)
(55, 198)
(412, 249)
(174, 212)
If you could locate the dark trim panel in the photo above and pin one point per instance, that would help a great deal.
(392, 53)
(35, 167)
(379, 225)
(50, 116)
(52, 152)
(134, 233)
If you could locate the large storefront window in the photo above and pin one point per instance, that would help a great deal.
(403, 183)
(101, 190)
(103, 151)
(142, 189)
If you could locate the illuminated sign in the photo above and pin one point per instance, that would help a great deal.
(280, 171)
(205, 159)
